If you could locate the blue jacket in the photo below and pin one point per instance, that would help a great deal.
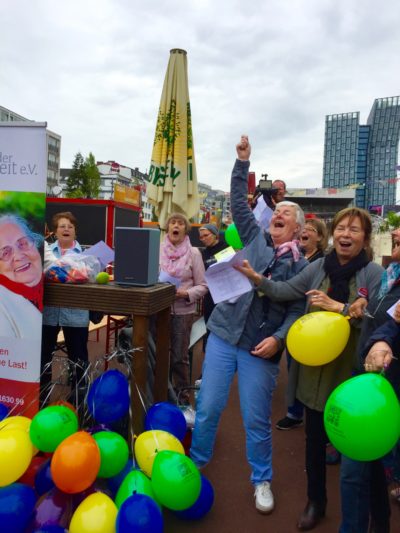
(390, 333)
(63, 316)
(253, 317)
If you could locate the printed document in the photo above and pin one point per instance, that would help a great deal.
(226, 283)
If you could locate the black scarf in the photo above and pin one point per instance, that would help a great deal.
(340, 275)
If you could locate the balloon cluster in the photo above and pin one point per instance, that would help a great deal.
(56, 477)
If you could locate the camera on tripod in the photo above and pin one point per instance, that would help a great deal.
(264, 187)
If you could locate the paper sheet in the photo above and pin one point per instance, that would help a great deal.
(102, 251)
(390, 311)
(263, 213)
(226, 283)
(164, 277)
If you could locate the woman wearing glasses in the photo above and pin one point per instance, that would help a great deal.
(74, 322)
(21, 286)
(313, 242)
(314, 239)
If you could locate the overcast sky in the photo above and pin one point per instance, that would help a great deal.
(94, 71)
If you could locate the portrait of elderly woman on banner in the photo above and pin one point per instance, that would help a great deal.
(21, 288)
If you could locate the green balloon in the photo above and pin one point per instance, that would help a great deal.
(51, 425)
(135, 482)
(232, 237)
(362, 417)
(175, 480)
(114, 453)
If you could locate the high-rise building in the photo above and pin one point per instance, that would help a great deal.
(53, 150)
(364, 156)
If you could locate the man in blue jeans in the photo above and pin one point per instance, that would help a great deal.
(248, 335)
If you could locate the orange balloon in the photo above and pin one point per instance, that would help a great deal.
(65, 404)
(75, 463)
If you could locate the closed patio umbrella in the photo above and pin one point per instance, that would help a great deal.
(172, 178)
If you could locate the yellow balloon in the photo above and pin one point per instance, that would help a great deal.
(318, 338)
(149, 443)
(96, 514)
(15, 455)
(18, 422)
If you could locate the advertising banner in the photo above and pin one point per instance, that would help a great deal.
(23, 170)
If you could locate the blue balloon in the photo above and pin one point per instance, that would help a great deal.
(17, 503)
(43, 480)
(167, 417)
(3, 411)
(108, 397)
(202, 505)
(115, 482)
(140, 514)
(51, 529)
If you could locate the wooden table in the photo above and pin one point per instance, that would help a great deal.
(141, 303)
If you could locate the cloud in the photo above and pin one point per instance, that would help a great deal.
(94, 71)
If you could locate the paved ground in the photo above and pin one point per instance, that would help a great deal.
(234, 510)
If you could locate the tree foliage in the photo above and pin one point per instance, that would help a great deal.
(84, 178)
(391, 222)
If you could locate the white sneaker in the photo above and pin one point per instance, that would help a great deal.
(264, 497)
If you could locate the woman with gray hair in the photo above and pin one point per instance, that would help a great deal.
(21, 287)
(248, 336)
(180, 260)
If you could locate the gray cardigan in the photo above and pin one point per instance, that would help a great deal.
(320, 380)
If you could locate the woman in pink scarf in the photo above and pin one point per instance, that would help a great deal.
(180, 260)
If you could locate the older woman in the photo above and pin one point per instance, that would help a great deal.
(248, 336)
(74, 322)
(182, 261)
(313, 242)
(21, 287)
(332, 283)
(314, 239)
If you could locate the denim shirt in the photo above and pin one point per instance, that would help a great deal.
(63, 316)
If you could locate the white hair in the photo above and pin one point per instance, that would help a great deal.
(300, 218)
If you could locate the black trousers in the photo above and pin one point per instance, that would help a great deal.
(76, 343)
(316, 440)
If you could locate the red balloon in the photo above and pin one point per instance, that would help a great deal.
(65, 404)
(28, 478)
(75, 463)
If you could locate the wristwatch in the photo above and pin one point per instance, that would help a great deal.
(345, 310)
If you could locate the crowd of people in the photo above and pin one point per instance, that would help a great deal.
(293, 272)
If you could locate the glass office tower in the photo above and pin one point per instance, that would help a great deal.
(364, 155)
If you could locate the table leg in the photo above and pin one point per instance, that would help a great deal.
(139, 370)
(161, 372)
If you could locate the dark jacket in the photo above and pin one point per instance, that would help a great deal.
(390, 333)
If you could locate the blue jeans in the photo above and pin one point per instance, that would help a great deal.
(257, 380)
(364, 495)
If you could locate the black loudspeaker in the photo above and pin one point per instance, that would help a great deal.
(137, 254)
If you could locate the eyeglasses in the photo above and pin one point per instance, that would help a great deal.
(23, 245)
(66, 226)
(310, 228)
